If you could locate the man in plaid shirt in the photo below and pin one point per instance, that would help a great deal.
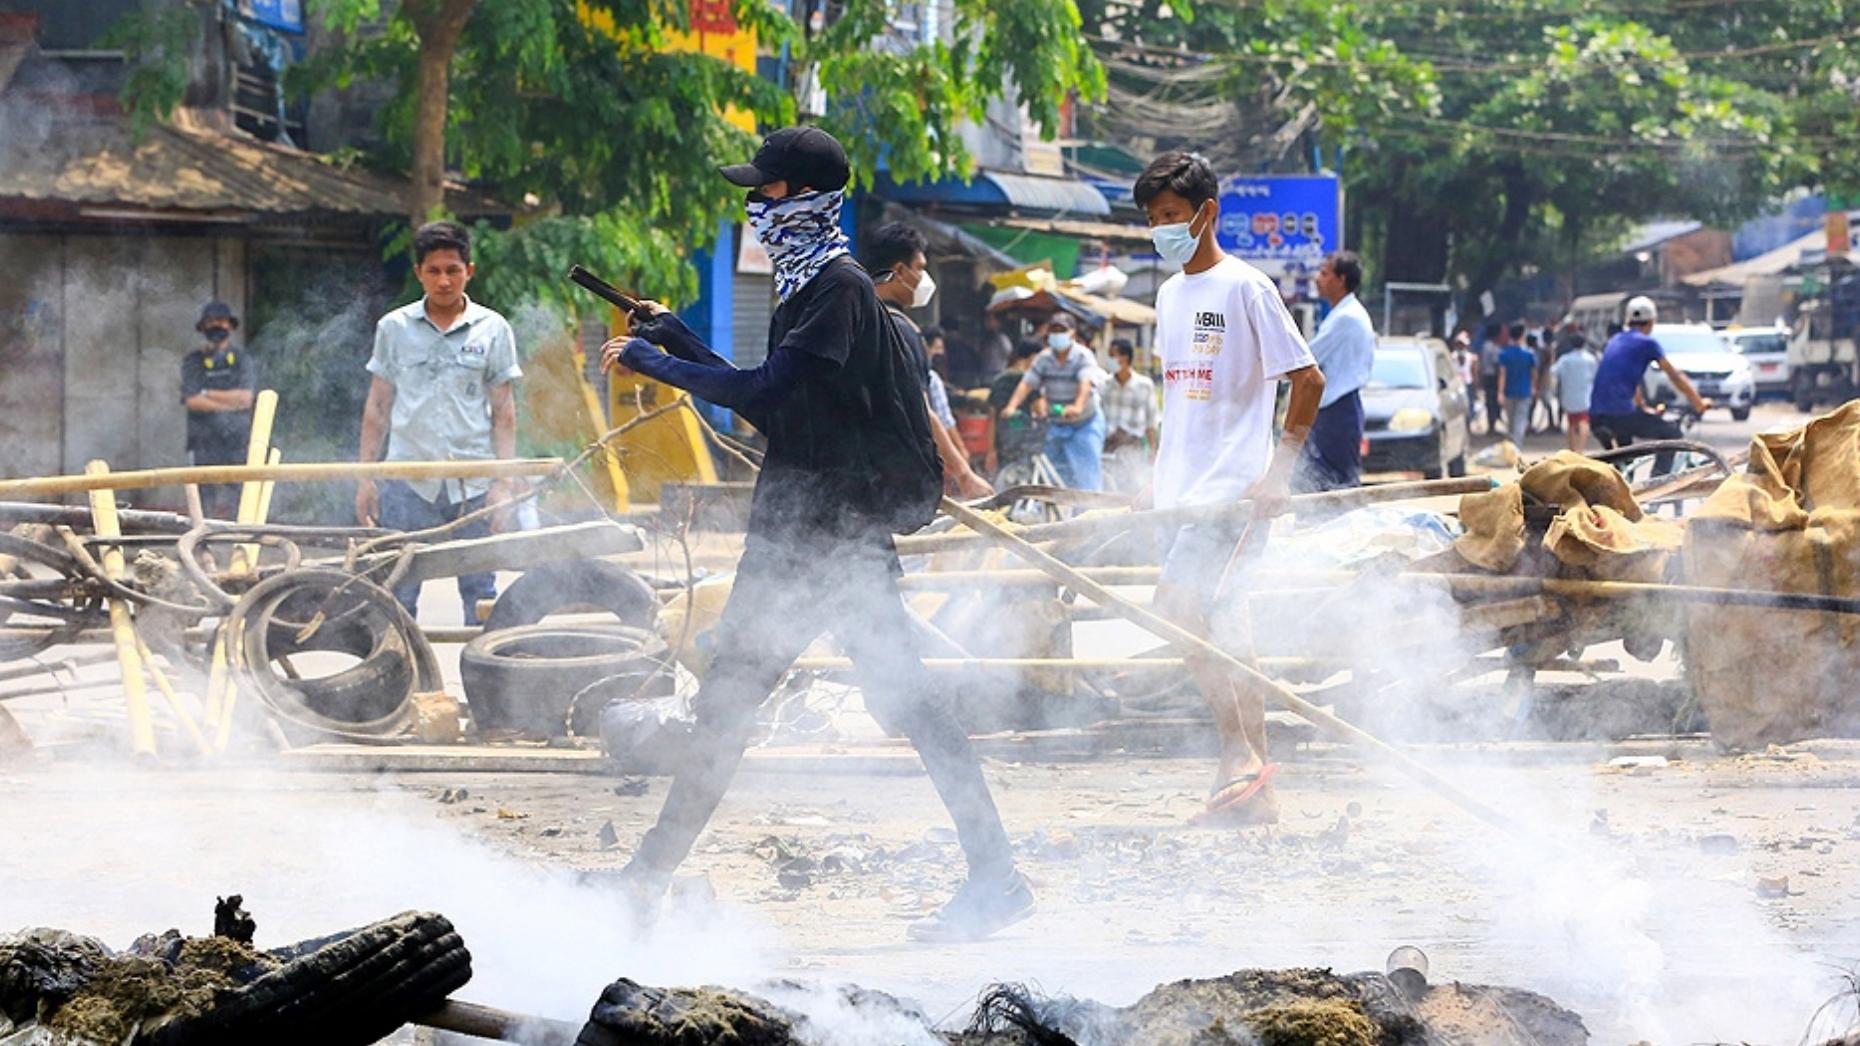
(1128, 400)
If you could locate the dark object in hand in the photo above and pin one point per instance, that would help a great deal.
(605, 291)
(230, 919)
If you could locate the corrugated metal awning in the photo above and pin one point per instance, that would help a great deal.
(1060, 195)
(173, 171)
(1001, 190)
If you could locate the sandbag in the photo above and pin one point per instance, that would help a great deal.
(1600, 531)
(1789, 523)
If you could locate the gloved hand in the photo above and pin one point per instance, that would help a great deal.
(658, 324)
(616, 353)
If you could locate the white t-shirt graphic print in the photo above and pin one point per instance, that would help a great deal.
(1225, 339)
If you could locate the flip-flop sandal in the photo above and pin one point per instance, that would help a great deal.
(1230, 797)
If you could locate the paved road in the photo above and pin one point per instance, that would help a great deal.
(1716, 428)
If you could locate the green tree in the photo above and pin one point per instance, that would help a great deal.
(1484, 136)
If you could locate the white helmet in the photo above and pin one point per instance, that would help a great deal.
(1640, 309)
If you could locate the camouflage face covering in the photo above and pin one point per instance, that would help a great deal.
(801, 234)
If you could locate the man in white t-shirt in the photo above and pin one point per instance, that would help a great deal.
(1226, 340)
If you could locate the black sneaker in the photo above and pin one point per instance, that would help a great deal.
(980, 908)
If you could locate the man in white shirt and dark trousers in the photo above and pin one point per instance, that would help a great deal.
(1226, 340)
(1345, 350)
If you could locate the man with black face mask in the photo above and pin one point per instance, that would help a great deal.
(218, 381)
(850, 462)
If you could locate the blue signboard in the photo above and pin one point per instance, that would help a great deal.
(1284, 224)
(287, 15)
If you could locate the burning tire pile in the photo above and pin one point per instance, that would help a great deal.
(168, 990)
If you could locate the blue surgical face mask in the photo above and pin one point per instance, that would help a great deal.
(1059, 341)
(1176, 242)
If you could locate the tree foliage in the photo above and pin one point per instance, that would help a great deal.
(1482, 138)
(586, 111)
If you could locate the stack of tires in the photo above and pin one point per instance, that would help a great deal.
(532, 677)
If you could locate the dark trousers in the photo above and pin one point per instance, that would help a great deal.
(1620, 430)
(219, 500)
(1333, 454)
(402, 509)
(1494, 408)
(784, 596)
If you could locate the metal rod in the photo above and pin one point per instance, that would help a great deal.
(1188, 640)
(79, 516)
(302, 472)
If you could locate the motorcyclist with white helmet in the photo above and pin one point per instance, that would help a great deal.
(1617, 408)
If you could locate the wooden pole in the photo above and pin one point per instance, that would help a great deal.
(302, 472)
(1189, 641)
(122, 629)
(484, 1022)
(1157, 519)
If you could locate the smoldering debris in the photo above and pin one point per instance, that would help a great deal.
(1295, 1007)
(171, 990)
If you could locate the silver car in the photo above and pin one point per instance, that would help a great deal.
(1414, 410)
(1706, 357)
(1767, 349)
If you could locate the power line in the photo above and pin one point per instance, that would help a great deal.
(1458, 64)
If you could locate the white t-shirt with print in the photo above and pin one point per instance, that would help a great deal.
(1225, 339)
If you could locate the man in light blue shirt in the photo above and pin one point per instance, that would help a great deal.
(1345, 349)
(443, 390)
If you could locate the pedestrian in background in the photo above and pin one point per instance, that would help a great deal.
(1539, 344)
(993, 352)
(1517, 366)
(900, 273)
(218, 385)
(1495, 341)
(1130, 421)
(1345, 350)
(1066, 373)
(1575, 381)
(444, 389)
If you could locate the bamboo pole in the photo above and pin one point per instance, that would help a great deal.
(246, 559)
(946, 580)
(301, 472)
(1028, 664)
(1187, 640)
(257, 449)
(173, 700)
(123, 631)
(1233, 511)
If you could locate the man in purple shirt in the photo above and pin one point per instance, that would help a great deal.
(1615, 403)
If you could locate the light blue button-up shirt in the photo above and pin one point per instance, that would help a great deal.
(1345, 349)
(442, 382)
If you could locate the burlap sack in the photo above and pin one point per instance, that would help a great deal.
(1600, 531)
(1790, 523)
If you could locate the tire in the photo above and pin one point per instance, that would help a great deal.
(526, 678)
(352, 990)
(1740, 413)
(1804, 393)
(1457, 467)
(550, 587)
(356, 693)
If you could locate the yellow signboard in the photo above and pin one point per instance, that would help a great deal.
(713, 32)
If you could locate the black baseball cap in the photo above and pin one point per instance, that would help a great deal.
(802, 156)
(215, 310)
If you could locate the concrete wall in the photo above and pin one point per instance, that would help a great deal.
(92, 331)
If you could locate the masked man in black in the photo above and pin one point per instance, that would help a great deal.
(850, 462)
